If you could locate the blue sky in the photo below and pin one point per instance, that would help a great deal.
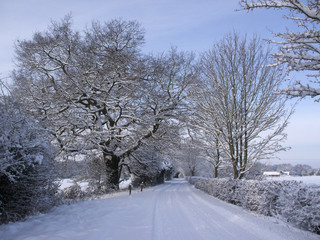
(188, 24)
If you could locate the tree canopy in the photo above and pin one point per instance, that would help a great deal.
(96, 91)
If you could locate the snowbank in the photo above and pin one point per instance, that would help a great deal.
(292, 201)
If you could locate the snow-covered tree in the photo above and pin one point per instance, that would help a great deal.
(96, 91)
(154, 161)
(214, 154)
(195, 153)
(188, 158)
(236, 102)
(27, 169)
(300, 49)
(148, 165)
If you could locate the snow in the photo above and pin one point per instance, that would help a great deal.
(271, 173)
(68, 182)
(65, 183)
(174, 210)
(83, 185)
(39, 159)
(125, 184)
(310, 180)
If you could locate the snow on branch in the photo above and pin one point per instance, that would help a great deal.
(298, 50)
(310, 10)
(301, 91)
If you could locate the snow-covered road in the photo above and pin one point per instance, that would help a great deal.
(171, 211)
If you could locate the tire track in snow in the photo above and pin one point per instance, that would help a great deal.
(170, 221)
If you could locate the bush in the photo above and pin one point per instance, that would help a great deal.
(27, 169)
(73, 192)
(291, 201)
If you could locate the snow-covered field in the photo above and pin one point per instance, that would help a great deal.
(305, 179)
(171, 211)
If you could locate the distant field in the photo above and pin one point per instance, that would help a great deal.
(304, 179)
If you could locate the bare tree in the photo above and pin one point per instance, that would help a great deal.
(236, 103)
(188, 156)
(199, 152)
(96, 91)
(300, 50)
(213, 151)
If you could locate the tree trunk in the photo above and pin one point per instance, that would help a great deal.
(112, 170)
(216, 171)
(235, 169)
(218, 158)
(192, 172)
(234, 160)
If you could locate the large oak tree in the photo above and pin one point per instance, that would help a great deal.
(96, 91)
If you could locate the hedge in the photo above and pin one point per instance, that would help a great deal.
(291, 201)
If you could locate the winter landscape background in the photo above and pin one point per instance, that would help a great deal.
(164, 120)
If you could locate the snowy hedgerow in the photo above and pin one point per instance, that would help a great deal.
(259, 196)
(291, 201)
(26, 166)
(301, 205)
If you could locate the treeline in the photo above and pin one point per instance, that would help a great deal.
(200, 167)
(295, 170)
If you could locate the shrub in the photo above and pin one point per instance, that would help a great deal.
(291, 201)
(27, 169)
(73, 192)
